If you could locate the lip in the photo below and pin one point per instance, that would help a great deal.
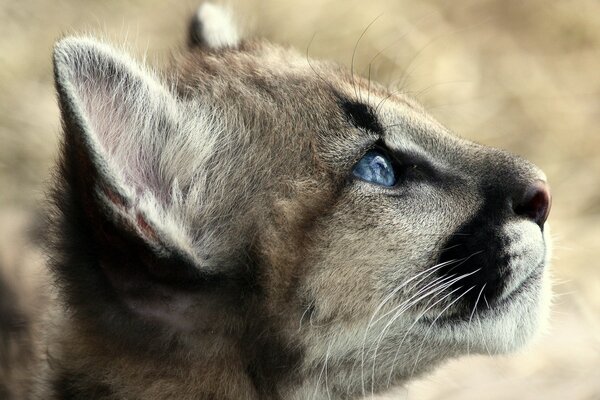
(507, 298)
(499, 303)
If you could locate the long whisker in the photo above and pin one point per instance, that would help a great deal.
(433, 294)
(447, 277)
(408, 69)
(389, 95)
(321, 78)
(399, 39)
(303, 314)
(483, 339)
(428, 271)
(430, 286)
(393, 365)
(326, 376)
(323, 369)
(357, 93)
(471, 317)
(431, 325)
(432, 297)
(369, 86)
(433, 289)
(464, 261)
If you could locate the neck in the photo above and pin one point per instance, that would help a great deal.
(86, 367)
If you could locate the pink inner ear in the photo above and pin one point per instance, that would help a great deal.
(127, 140)
(145, 227)
(125, 108)
(142, 224)
(115, 198)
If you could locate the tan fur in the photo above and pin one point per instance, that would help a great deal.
(239, 167)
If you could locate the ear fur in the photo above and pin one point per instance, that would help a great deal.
(125, 245)
(116, 116)
(212, 27)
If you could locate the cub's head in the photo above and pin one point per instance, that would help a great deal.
(281, 221)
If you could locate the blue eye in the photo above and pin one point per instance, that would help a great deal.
(375, 167)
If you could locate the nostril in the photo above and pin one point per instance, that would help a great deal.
(535, 203)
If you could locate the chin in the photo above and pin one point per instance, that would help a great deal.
(506, 325)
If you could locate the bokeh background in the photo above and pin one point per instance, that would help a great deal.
(522, 75)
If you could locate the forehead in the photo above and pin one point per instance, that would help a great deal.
(255, 67)
(282, 86)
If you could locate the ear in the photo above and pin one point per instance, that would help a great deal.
(212, 27)
(117, 118)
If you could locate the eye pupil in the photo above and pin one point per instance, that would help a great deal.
(375, 167)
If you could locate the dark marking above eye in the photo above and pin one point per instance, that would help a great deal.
(361, 116)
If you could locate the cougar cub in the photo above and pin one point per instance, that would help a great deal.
(252, 226)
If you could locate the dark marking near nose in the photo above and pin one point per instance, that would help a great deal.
(478, 249)
(476, 253)
(361, 116)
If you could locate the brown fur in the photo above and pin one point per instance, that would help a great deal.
(291, 256)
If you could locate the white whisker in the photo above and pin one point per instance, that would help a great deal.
(471, 317)
(405, 307)
(431, 325)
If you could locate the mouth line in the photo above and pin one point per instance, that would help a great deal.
(507, 298)
(518, 290)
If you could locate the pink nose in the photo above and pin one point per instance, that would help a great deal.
(535, 203)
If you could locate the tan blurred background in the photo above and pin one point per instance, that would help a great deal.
(522, 75)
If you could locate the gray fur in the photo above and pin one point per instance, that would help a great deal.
(242, 153)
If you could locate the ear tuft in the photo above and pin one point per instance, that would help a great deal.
(212, 26)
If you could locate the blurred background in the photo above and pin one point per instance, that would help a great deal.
(520, 75)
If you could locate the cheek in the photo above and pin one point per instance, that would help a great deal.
(342, 282)
(358, 257)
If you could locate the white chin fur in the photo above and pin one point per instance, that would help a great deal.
(516, 320)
